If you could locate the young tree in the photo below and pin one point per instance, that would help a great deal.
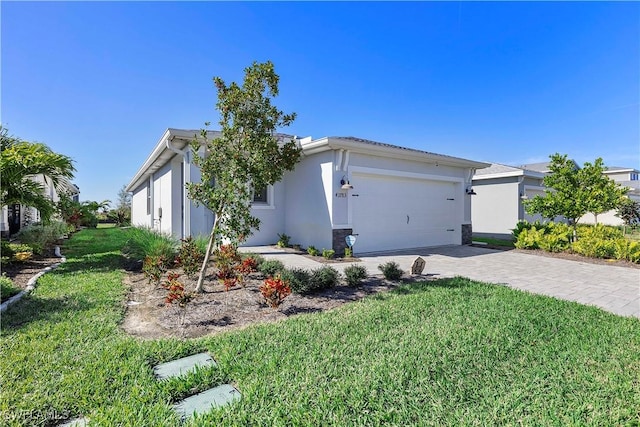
(629, 212)
(601, 193)
(562, 198)
(20, 162)
(574, 192)
(247, 155)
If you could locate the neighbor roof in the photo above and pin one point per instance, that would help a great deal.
(497, 170)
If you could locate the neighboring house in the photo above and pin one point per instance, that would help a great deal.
(391, 197)
(14, 217)
(500, 193)
(626, 177)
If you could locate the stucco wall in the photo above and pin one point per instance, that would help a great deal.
(308, 216)
(162, 191)
(496, 206)
(139, 215)
(271, 215)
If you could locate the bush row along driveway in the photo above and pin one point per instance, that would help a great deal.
(612, 288)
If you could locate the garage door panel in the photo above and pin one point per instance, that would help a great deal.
(396, 213)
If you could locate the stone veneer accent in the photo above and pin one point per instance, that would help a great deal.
(466, 234)
(339, 244)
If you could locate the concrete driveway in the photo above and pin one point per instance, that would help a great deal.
(612, 288)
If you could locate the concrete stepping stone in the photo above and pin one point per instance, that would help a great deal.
(203, 402)
(76, 422)
(179, 367)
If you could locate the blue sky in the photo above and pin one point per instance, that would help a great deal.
(507, 82)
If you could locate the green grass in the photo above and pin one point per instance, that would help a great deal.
(7, 288)
(494, 242)
(448, 352)
(632, 233)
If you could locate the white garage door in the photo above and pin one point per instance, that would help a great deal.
(397, 213)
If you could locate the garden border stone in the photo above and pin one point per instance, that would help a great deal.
(31, 284)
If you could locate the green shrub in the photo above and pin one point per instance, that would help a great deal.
(6, 249)
(328, 253)
(348, 252)
(271, 267)
(323, 278)
(144, 242)
(40, 236)
(355, 274)
(391, 270)
(627, 250)
(311, 250)
(190, 257)
(598, 231)
(526, 225)
(283, 240)
(556, 237)
(154, 267)
(529, 238)
(7, 288)
(299, 279)
(594, 247)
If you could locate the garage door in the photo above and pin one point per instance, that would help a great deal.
(398, 213)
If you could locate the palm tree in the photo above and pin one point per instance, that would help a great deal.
(21, 161)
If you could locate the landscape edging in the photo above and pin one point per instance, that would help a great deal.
(31, 284)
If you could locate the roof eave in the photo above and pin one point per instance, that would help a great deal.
(327, 143)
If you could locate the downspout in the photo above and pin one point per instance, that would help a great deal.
(520, 194)
(186, 177)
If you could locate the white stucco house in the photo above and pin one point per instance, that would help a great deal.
(391, 197)
(501, 190)
(17, 216)
(498, 204)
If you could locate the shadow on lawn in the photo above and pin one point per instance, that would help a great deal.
(422, 286)
(33, 309)
(107, 261)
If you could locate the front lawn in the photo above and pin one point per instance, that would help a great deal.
(446, 352)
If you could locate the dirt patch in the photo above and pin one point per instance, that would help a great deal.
(216, 310)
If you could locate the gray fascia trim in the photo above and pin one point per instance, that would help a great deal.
(170, 134)
(327, 143)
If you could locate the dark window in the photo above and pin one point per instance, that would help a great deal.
(148, 200)
(260, 196)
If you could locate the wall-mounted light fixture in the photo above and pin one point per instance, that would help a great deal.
(345, 184)
(523, 196)
(470, 191)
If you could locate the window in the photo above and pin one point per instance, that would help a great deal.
(260, 196)
(148, 200)
(634, 176)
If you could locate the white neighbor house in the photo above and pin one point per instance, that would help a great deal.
(501, 190)
(400, 198)
(499, 201)
(15, 217)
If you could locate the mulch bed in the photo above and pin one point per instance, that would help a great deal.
(216, 310)
(21, 272)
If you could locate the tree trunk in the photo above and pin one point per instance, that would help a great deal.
(596, 218)
(207, 255)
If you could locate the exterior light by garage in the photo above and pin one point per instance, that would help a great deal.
(345, 184)
(523, 196)
(470, 191)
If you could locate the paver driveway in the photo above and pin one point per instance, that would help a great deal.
(615, 289)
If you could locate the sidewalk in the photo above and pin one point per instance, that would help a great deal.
(612, 288)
